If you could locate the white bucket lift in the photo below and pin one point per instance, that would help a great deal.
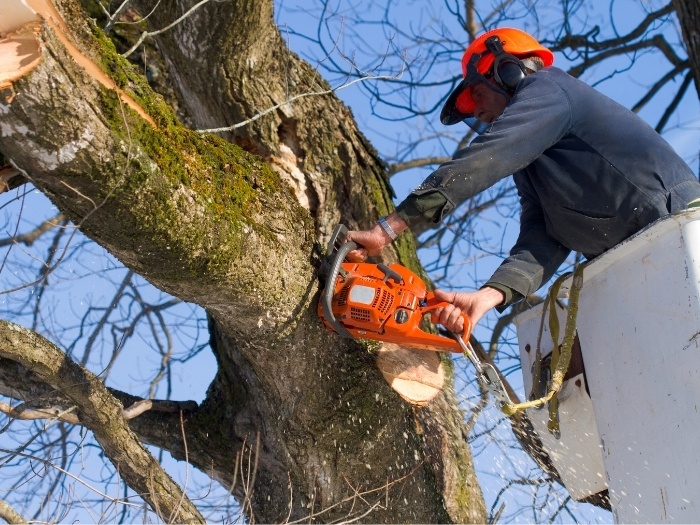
(638, 323)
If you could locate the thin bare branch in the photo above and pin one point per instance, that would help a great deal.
(29, 238)
(147, 34)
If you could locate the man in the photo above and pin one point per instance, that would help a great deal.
(589, 172)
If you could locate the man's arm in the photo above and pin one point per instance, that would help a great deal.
(535, 257)
(531, 263)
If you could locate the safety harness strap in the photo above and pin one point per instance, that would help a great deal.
(561, 357)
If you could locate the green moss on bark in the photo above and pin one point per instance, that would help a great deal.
(193, 194)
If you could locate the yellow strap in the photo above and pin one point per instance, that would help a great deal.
(561, 366)
(537, 366)
(695, 203)
(553, 423)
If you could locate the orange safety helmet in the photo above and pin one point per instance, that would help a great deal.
(495, 54)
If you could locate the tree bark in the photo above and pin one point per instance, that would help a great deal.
(688, 12)
(235, 232)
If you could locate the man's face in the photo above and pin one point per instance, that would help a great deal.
(488, 102)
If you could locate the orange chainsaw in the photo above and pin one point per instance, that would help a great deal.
(388, 303)
(379, 302)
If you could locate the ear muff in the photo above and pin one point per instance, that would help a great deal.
(508, 70)
(509, 74)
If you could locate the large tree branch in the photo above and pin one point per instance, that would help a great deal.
(147, 185)
(101, 413)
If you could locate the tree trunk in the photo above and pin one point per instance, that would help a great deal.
(234, 230)
(689, 14)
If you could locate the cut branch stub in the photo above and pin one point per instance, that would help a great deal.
(20, 47)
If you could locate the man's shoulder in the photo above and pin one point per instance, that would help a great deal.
(550, 84)
(554, 82)
(551, 74)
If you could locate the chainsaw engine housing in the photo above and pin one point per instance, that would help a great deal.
(385, 303)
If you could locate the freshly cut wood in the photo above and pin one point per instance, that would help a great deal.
(19, 53)
(20, 48)
(416, 375)
(15, 14)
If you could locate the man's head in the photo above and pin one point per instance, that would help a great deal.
(493, 66)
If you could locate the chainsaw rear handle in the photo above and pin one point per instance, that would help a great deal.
(434, 304)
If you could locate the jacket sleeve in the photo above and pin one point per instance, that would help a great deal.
(538, 116)
(535, 257)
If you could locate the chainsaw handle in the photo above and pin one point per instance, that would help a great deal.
(390, 274)
(336, 263)
(434, 304)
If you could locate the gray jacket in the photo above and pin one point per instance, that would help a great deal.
(589, 173)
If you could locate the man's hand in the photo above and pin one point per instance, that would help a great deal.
(474, 304)
(373, 241)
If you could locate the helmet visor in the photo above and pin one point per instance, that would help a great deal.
(460, 105)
